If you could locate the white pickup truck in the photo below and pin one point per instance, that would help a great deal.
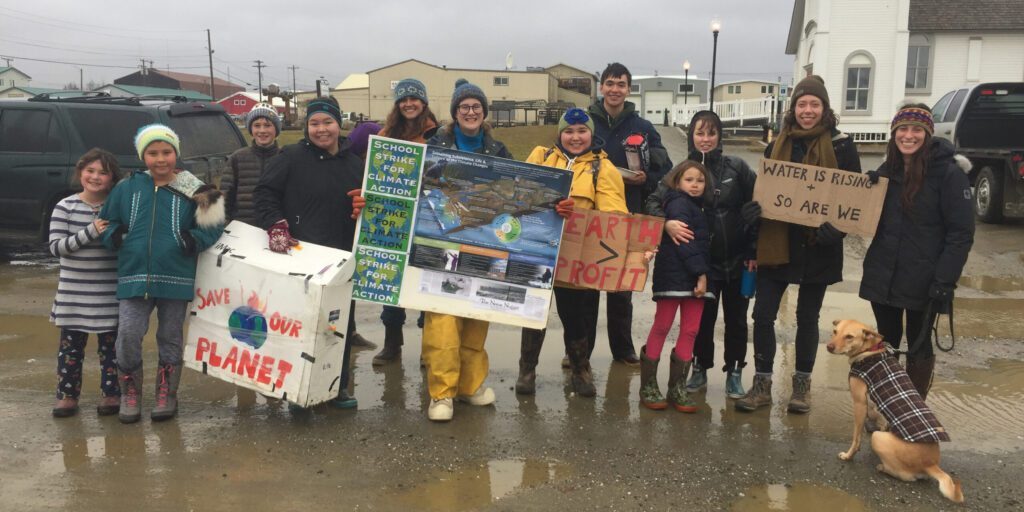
(986, 123)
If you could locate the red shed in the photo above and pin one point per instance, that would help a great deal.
(240, 103)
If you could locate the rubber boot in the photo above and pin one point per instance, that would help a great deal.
(698, 380)
(677, 395)
(798, 402)
(529, 353)
(734, 384)
(759, 394)
(393, 341)
(650, 394)
(582, 379)
(131, 396)
(167, 378)
(921, 371)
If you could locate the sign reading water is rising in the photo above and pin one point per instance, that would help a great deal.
(810, 196)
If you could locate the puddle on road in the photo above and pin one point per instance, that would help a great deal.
(476, 487)
(985, 405)
(798, 497)
(992, 284)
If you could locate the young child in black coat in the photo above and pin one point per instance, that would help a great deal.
(680, 282)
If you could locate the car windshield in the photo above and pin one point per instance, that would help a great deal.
(205, 134)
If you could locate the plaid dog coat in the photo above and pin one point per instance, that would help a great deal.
(890, 388)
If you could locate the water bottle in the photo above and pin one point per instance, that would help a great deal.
(748, 284)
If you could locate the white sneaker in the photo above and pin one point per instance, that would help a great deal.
(483, 396)
(441, 410)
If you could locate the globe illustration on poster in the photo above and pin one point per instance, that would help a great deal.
(248, 326)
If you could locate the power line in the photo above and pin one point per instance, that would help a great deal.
(78, 23)
(13, 41)
(92, 65)
(77, 29)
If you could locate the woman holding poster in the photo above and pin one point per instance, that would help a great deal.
(453, 346)
(596, 185)
(409, 120)
(811, 258)
(923, 237)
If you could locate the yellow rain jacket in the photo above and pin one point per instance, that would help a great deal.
(607, 193)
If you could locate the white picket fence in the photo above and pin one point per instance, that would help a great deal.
(750, 112)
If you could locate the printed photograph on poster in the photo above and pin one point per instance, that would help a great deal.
(490, 203)
(445, 284)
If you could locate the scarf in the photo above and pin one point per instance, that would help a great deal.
(773, 235)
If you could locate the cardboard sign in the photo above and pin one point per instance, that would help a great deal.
(459, 233)
(268, 321)
(810, 196)
(605, 251)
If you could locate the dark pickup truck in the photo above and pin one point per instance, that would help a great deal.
(986, 123)
(42, 138)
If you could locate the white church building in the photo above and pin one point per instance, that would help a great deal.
(874, 54)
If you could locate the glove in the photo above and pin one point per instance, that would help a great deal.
(873, 176)
(751, 213)
(564, 207)
(117, 237)
(358, 201)
(280, 240)
(942, 297)
(189, 241)
(827, 234)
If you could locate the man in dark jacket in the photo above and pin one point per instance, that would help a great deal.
(246, 165)
(615, 119)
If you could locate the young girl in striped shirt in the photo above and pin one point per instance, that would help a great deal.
(86, 299)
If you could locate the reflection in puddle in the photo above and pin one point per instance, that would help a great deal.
(985, 405)
(993, 284)
(798, 497)
(478, 486)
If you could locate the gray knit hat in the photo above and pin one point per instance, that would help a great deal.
(265, 111)
(411, 88)
(463, 90)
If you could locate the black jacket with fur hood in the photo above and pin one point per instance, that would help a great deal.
(929, 243)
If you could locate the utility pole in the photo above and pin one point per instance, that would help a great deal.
(259, 72)
(209, 46)
(295, 99)
(8, 59)
(81, 80)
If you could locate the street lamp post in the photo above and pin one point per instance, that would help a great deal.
(686, 82)
(716, 27)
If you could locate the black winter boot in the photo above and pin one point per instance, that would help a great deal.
(393, 341)
(582, 379)
(921, 371)
(532, 341)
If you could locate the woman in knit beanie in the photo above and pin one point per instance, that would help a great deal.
(453, 346)
(409, 120)
(927, 216)
(811, 258)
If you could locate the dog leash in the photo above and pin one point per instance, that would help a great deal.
(931, 331)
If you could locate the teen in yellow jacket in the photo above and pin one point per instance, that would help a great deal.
(596, 185)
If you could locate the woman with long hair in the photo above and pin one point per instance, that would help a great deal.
(410, 120)
(809, 257)
(924, 235)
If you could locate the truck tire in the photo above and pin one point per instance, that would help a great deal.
(988, 196)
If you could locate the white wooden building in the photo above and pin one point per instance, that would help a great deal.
(874, 54)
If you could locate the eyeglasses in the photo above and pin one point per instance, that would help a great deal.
(465, 109)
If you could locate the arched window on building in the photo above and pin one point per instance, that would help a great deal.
(858, 81)
(919, 64)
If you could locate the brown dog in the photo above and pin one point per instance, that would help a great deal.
(910, 449)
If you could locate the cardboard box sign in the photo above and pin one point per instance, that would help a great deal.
(605, 251)
(810, 196)
(268, 321)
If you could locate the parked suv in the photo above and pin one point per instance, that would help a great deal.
(986, 123)
(41, 140)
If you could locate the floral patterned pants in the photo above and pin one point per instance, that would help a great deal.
(71, 357)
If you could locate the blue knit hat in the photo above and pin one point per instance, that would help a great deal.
(463, 90)
(328, 105)
(265, 111)
(575, 116)
(411, 88)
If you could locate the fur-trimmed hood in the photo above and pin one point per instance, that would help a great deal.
(209, 201)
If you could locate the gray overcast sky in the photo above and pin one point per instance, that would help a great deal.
(333, 39)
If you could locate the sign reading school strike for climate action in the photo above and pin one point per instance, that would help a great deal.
(605, 251)
(810, 196)
(459, 233)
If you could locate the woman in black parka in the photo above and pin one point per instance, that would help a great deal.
(924, 235)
